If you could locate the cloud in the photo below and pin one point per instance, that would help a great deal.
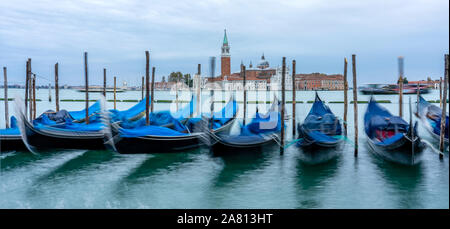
(182, 33)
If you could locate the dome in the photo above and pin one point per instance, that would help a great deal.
(263, 63)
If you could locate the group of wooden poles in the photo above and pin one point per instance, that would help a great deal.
(30, 94)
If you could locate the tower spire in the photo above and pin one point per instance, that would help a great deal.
(225, 39)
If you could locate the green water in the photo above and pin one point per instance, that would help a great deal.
(198, 179)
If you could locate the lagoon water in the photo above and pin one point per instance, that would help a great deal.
(198, 179)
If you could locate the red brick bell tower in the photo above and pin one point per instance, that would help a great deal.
(225, 58)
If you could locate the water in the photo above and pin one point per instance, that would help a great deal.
(197, 179)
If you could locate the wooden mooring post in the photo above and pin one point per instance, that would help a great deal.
(199, 85)
(400, 86)
(30, 89)
(418, 96)
(153, 90)
(27, 84)
(245, 93)
(115, 93)
(34, 96)
(49, 92)
(283, 94)
(5, 77)
(345, 96)
(176, 91)
(142, 88)
(444, 108)
(56, 87)
(293, 99)
(355, 103)
(86, 79)
(104, 82)
(440, 93)
(147, 89)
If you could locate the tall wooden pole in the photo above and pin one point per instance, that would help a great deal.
(49, 92)
(199, 85)
(34, 96)
(27, 84)
(86, 79)
(444, 107)
(440, 93)
(400, 86)
(355, 103)
(283, 81)
(6, 97)
(153, 90)
(418, 96)
(147, 85)
(245, 93)
(104, 82)
(142, 88)
(293, 99)
(56, 88)
(345, 96)
(114, 92)
(176, 91)
(30, 88)
(212, 65)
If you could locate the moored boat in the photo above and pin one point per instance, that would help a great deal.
(162, 139)
(263, 130)
(321, 128)
(431, 116)
(391, 137)
(10, 138)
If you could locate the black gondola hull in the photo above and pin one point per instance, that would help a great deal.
(154, 144)
(11, 143)
(222, 147)
(401, 151)
(37, 139)
(161, 144)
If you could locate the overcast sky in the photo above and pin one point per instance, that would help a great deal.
(318, 34)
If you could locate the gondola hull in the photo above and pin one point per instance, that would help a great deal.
(222, 146)
(39, 139)
(307, 141)
(156, 144)
(401, 151)
(391, 137)
(422, 109)
(161, 144)
(11, 143)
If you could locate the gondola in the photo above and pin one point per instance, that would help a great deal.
(72, 136)
(68, 135)
(10, 138)
(321, 128)
(262, 131)
(390, 136)
(430, 116)
(162, 139)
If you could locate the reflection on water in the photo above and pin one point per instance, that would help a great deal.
(89, 160)
(198, 179)
(237, 165)
(405, 181)
(153, 166)
(311, 180)
(320, 155)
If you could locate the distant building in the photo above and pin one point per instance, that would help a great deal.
(264, 77)
(434, 84)
(319, 81)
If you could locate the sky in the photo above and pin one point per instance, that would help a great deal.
(318, 34)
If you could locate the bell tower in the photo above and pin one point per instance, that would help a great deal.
(225, 57)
